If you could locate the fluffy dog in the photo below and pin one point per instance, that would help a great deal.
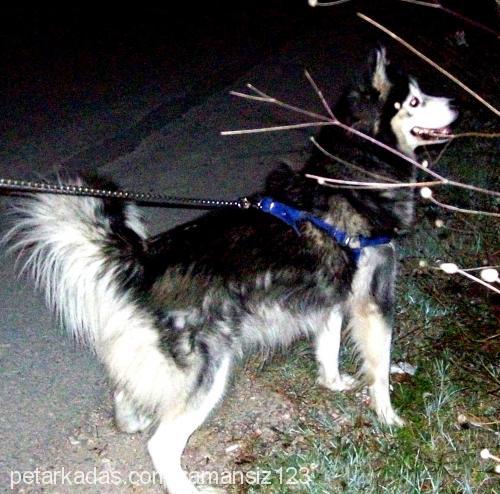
(170, 315)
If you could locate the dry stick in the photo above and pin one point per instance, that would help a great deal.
(437, 5)
(441, 153)
(330, 182)
(394, 151)
(320, 95)
(430, 62)
(479, 280)
(263, 97)
(315, 3)
(417, 164)
(433, 5)
(349, 164)
(337, 122)
(273, 129)
(442, 180)
(483, 340)
(490, 135)
(462, 210)
(482, 267)
(471, 277)
(287, 105)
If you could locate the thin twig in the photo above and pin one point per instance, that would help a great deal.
(431, 4)
(473, 188)
(349, 164)
(266, 98)
(462, 210)
(320, 95)
(484, 340)
(489, 135)
(273, 129)
(250, 96)
(430, 62)
(315, 3)
(437, 5)
(441, 153)
(458, 270)
(371, 185)
(481, 268)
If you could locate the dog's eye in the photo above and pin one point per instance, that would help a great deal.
(414, 102)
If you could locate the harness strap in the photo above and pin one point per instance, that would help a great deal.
(293, 217)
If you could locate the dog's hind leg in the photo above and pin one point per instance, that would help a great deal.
(175, 428)
(371, 333)
(127, 418)
(327, 354)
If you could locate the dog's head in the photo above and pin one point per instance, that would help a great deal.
(390, 105)
(420, 119)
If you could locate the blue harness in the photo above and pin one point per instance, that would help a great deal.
(293, 217)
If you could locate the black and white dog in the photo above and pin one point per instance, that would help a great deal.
(169, 315)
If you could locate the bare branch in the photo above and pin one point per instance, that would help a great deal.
(273, 129)
(478, 280)
(430, 62)
(315, 3)
(487, 135)
(331, 182)
(324, 120)
(451, 268)
(441, 153)
(251, 97)
(320, 95)
(462, 210)
(349, 164)
(269, 99)
(434, 4)
(480, 268)
(437, 5)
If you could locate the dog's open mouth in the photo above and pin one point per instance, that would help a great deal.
(432, 134)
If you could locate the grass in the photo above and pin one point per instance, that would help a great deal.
(446, 327)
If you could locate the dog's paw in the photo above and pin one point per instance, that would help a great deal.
(133, 423)
(390, 417)
(344, 382)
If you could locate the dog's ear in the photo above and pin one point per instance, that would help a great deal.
(378, 73)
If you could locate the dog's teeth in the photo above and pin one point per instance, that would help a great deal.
(429, 133)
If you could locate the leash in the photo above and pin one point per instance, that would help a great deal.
(288, 214)
(144, 198)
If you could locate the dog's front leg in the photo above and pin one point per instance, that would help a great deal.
(371, 333)
(327, 355)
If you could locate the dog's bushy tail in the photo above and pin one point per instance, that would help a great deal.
(84, 253)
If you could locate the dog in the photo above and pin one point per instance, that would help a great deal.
(170, 315)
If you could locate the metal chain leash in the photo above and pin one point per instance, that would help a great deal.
(144, 198)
